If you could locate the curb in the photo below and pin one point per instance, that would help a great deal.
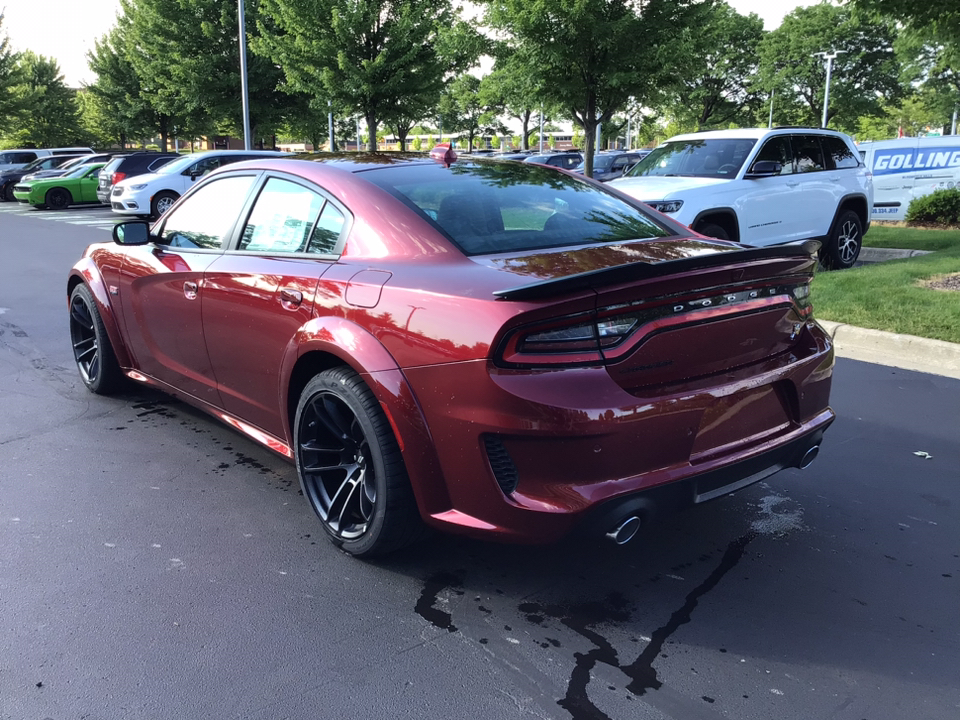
(875, 255)
(901, 351)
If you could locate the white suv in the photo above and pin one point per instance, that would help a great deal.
(762, 187)
(154, 193)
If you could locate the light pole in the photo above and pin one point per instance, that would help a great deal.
(330, 123)
(770, 121)
(243, 76)
(828, 57)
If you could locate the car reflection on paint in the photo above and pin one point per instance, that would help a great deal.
(488, 348)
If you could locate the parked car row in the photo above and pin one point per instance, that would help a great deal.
(136, 183)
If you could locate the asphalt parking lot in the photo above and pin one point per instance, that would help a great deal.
(156, 564)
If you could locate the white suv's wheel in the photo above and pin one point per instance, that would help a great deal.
(843, 246)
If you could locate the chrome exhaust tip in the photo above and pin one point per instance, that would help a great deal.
(808, 457)
(624, 532)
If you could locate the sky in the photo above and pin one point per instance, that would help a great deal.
(66, 29)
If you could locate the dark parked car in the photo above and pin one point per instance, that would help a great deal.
(491, 348)
(565, 160)
(611, 165)
(125, 166)
(10, 178)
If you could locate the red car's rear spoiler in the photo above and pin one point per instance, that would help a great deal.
(642, 270)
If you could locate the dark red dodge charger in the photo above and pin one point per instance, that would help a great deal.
(486, 347)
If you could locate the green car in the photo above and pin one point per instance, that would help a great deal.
(78, 187)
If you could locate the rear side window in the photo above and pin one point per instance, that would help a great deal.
(282, 219)
(507, 207)
(839, 155)
(807, 152)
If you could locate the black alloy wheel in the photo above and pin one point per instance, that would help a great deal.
(713, 230)
(350, 467)
(57, 199)
(842, 248)
(92, 350)
(8, 192)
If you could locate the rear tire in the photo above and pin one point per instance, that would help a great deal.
(843, 246)
(8, 193)
(92, 350)
(57, 199)
(350, 467)
(713, 230)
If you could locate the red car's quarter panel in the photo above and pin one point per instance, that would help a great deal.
(160, 291)
(253, 309)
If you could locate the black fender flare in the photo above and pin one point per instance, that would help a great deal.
(728, 212)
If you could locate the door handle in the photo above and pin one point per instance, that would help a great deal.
(290, 298)
(793, 184)
(190, 290)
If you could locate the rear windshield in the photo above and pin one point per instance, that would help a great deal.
(717, 158)
(112, 165)
(498, 207)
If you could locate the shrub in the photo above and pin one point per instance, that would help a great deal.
(941, 207)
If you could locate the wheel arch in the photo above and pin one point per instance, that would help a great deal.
(321, 345)
(725, 217)
(86, 272)
(856, 202)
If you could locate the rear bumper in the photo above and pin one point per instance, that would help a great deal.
(579, 447)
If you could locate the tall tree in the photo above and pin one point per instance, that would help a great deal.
(722, 56)
(943, 15)
(464, 111)
(865, 73)
(513, 88)
(10, 105)
(593, 55)
(371, 57)
(187, 55)
(51, 115)
(115, 105)
(931, 69)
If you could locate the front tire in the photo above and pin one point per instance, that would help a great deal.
(92, 350)
(8, 193)
(57, 199)
(350, 467)
(713, 230)
(162, 202)
(843, 246)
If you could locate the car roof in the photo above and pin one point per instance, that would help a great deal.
(752, 133)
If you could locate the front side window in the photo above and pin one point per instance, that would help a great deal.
(202, 167)
(205, 218)
(508, 207)
(282, 219)
(777, 149)
(700, 157)
(808, 154)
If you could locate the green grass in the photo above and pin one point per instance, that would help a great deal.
(885, 296)
(909, 238)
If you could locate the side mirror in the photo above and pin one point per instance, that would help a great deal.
(764, 168)
(135, 232)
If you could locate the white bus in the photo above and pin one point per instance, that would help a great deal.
(907, 168)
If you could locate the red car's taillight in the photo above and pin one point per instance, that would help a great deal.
(582, 339)
(117, 177)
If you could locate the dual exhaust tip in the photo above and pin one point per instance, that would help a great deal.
(625, 531)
